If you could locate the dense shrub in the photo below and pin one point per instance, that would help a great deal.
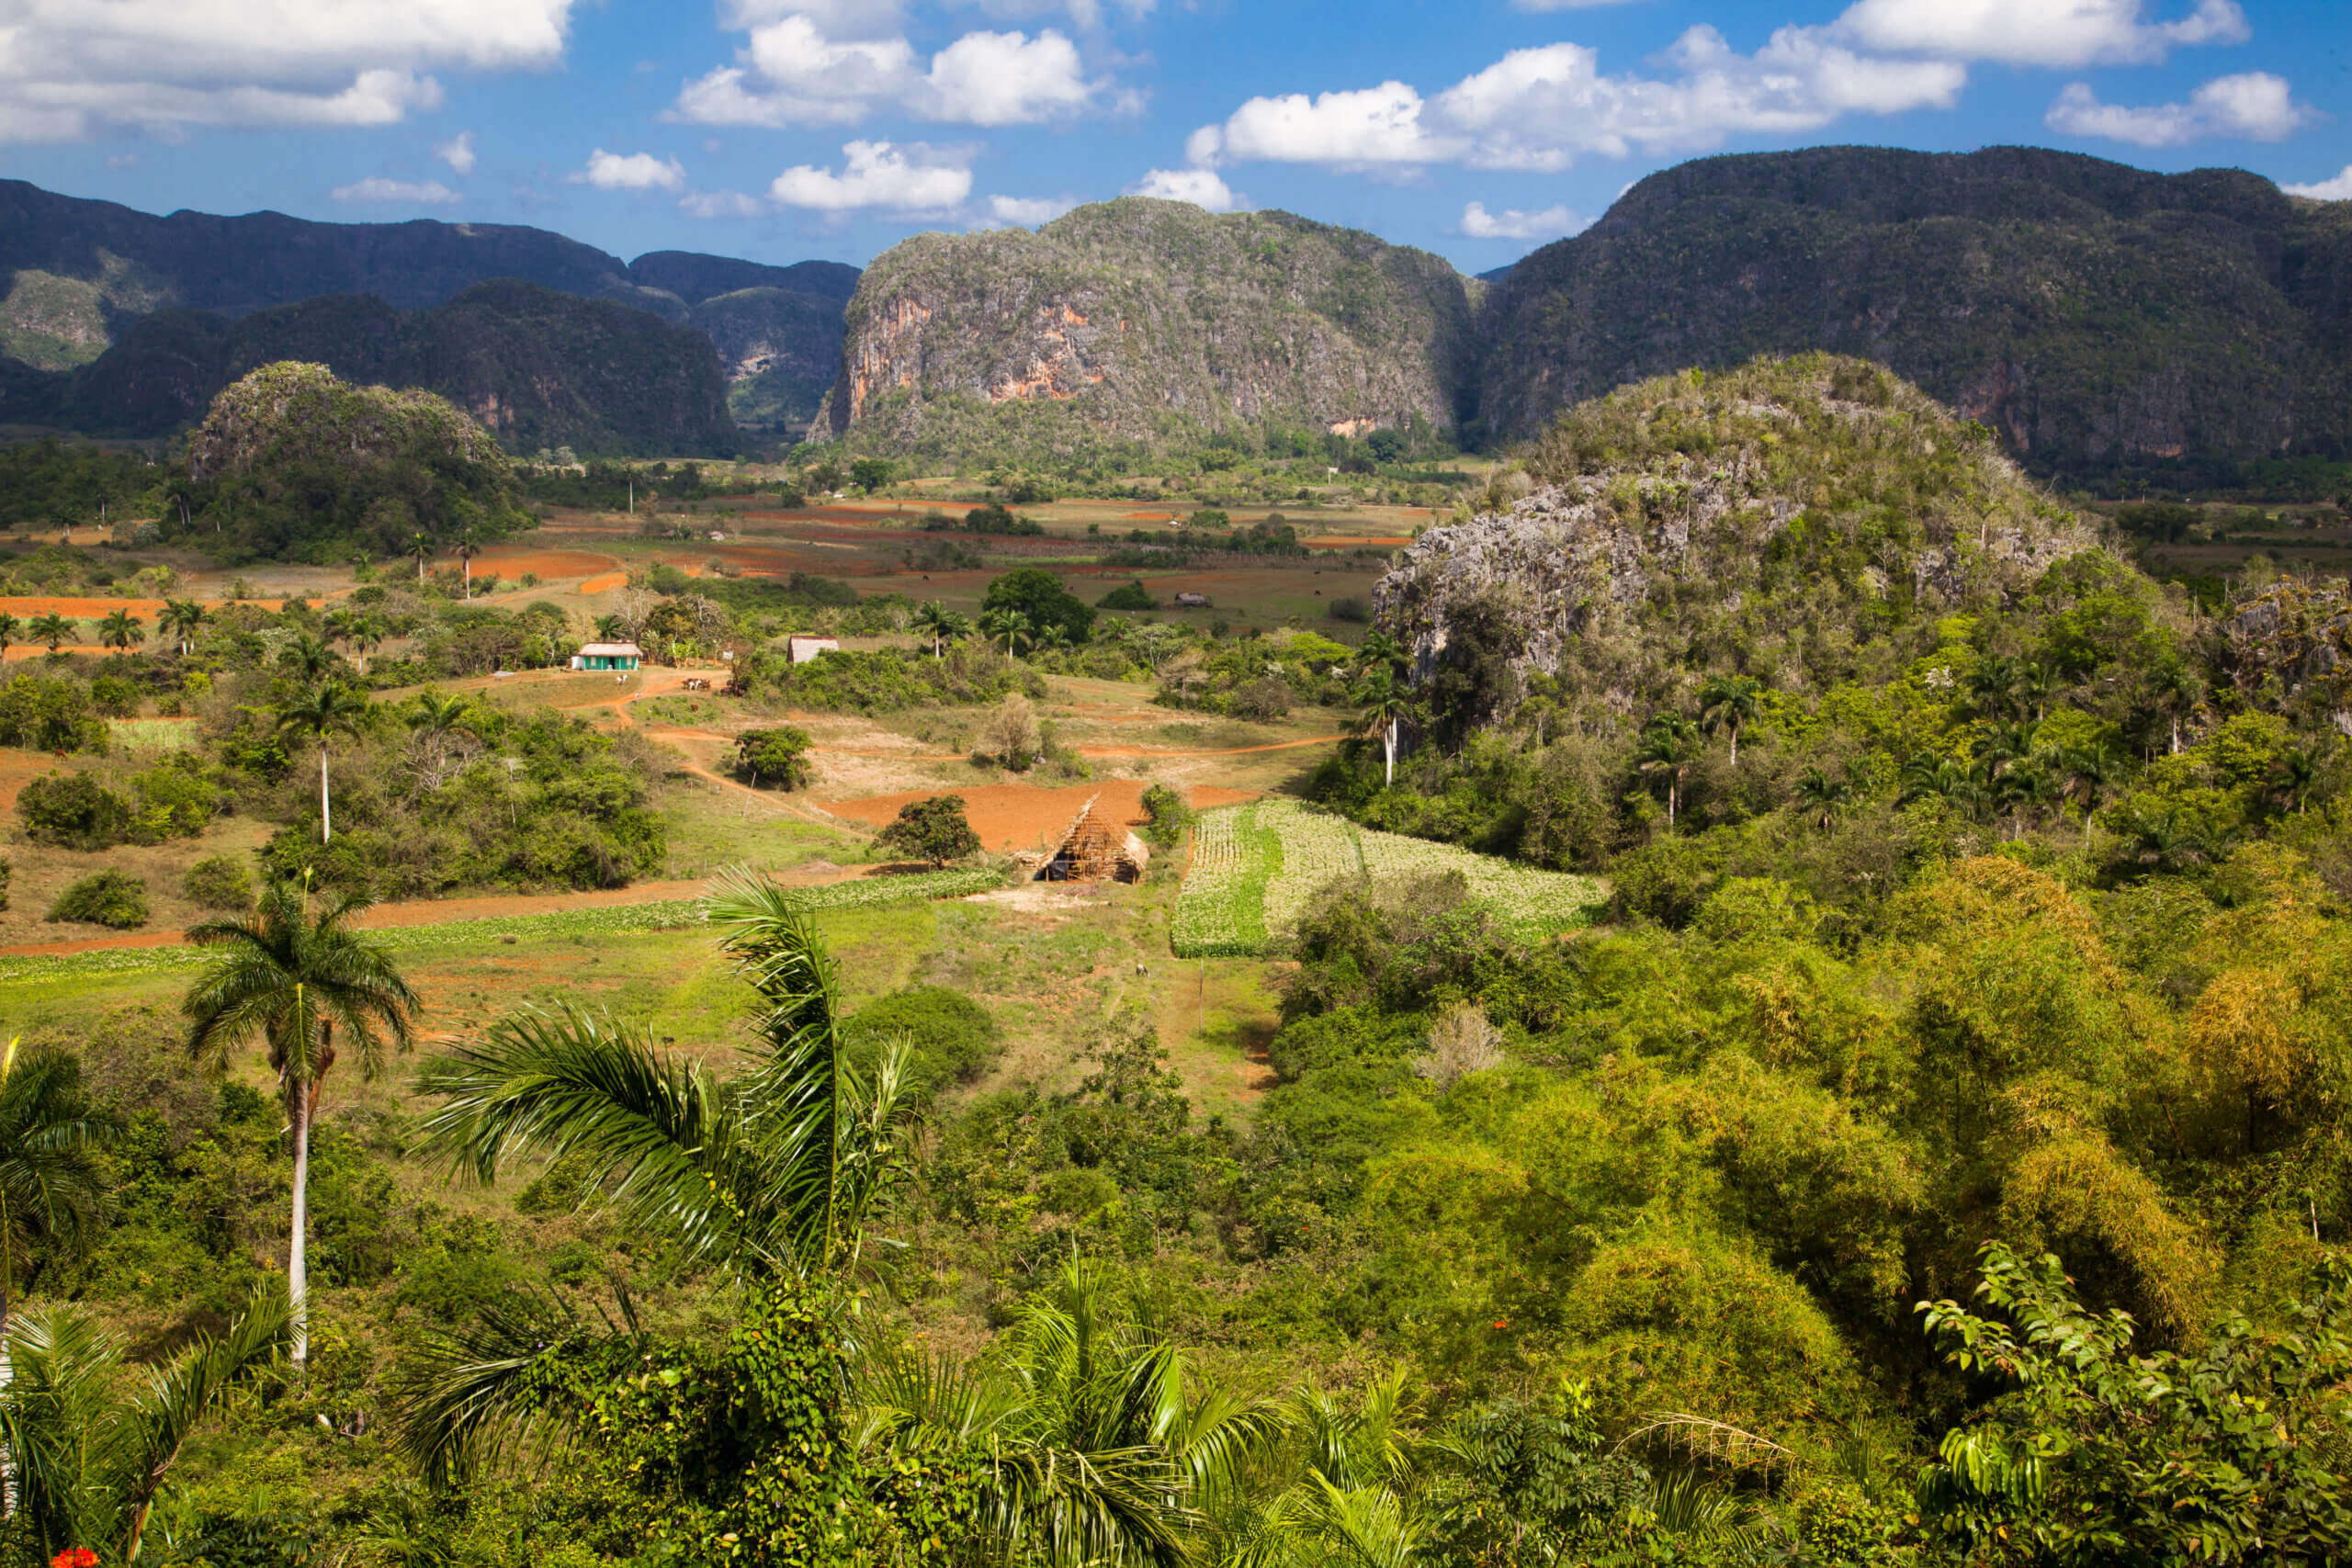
(778, 757)
(103, 898)
(1131, 596)
(44, 712)
(889, 680)
(73, 812)
(951, 1038)
(934, 830)
(219, 882)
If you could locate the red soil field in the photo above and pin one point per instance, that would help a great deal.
(604, 584)
(509, 561)
(91, 609)
(1026, 817)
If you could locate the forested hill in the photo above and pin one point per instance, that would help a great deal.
(538, 368)
(2094, 315)
(1148, 324)
(77, 278)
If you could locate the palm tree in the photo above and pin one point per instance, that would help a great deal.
(769, 1175)
(421, 546)
(51, 629)
(295, 978)
(933, 620)
(466, 551)
(320, 714)
(1730, 703)
(9, 627)
(2173, 689)
(2166, 843)
(93, 1441)
(1993, 685)
(1930, 777)
(1382, 708)
(120, 629)
(366, 635)
(1378, 649)
(1010, 625)
(2293, 773)
(182, 618)
(2083, 773)
(1094, 1450)
(309, 659)
(435, 717)
(1667, 747)
(1822, 796)
(50, 1186)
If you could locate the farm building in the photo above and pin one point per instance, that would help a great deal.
(805, 647)
(1191, 601)
(608, 656)
(1095, 848)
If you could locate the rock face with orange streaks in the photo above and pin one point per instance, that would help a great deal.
(1152, 321)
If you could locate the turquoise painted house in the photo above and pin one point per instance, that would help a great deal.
(608, 656)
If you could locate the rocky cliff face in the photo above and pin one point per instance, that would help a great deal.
(536, 367)
(1789, 519)
(1145, 321)
(2093, 315)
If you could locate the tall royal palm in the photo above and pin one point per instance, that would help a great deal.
(308, 987)
(1730, 703)
(1382, 707)
(936, 622)
(119, 630)
(181, 619)
(320, 714)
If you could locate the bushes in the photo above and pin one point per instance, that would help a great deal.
(219, 882)
(890, 679)
(44, 712)
(73, 811)
(778, 757)
(952, 1036)
(103, 898)
(935, 830)
(1131, 596)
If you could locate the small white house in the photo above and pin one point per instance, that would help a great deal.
(804, 647)
(608, 656)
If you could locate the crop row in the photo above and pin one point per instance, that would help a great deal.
(1256, 868)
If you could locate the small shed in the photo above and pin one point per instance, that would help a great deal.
(1095, 848)
(608, 656)
(805, 647)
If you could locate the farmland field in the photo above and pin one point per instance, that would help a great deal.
(1255, 867)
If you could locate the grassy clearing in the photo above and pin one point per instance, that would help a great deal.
(1255, 868)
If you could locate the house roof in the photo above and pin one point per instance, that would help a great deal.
(612, 650)
(814, 636)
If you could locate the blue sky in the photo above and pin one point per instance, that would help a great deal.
(781, 129)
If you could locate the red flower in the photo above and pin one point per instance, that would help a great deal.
(1502, 1323)
(74, 1557)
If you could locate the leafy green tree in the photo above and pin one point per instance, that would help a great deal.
(1131, 596)
(93, 1440)
(778, 756)
(870, 474)
(2091, 1454)
(319, 716)
(52, 630)
(934, 829)
(294, 979)
(1037, 593)
(1730, 703)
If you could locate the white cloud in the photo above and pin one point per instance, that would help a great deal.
(876, 175)
(73, 68)
(1202, 187)
(720, 204)
(1550, 223)
(458, 153)
(1541, 108)
(1029, 211)
(408, 192)
(2036, 32)
(813, 65)
(636, 171)
(2338, 189)
(1005, 79)
(2256, 106)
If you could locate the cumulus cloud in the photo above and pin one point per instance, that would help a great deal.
(458, 153)
(408, 192)
(720, 204)
(2338, 189)
(1510, 223)
(1202, 187)
(72, 69)
(634, 171)
(1028, 211)
(2255, 106)
(876, 175)
(809, 66)
(1541, 108)
(2037, 32)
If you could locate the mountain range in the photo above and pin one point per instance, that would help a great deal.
(2097, 317)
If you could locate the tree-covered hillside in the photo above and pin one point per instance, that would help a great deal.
(2095, 317)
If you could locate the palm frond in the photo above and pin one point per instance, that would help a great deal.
(553, 1085)
(182, 1392)
(473, 1396)
(1064, 1506)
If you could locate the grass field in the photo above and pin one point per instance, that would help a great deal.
(1256, 867)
